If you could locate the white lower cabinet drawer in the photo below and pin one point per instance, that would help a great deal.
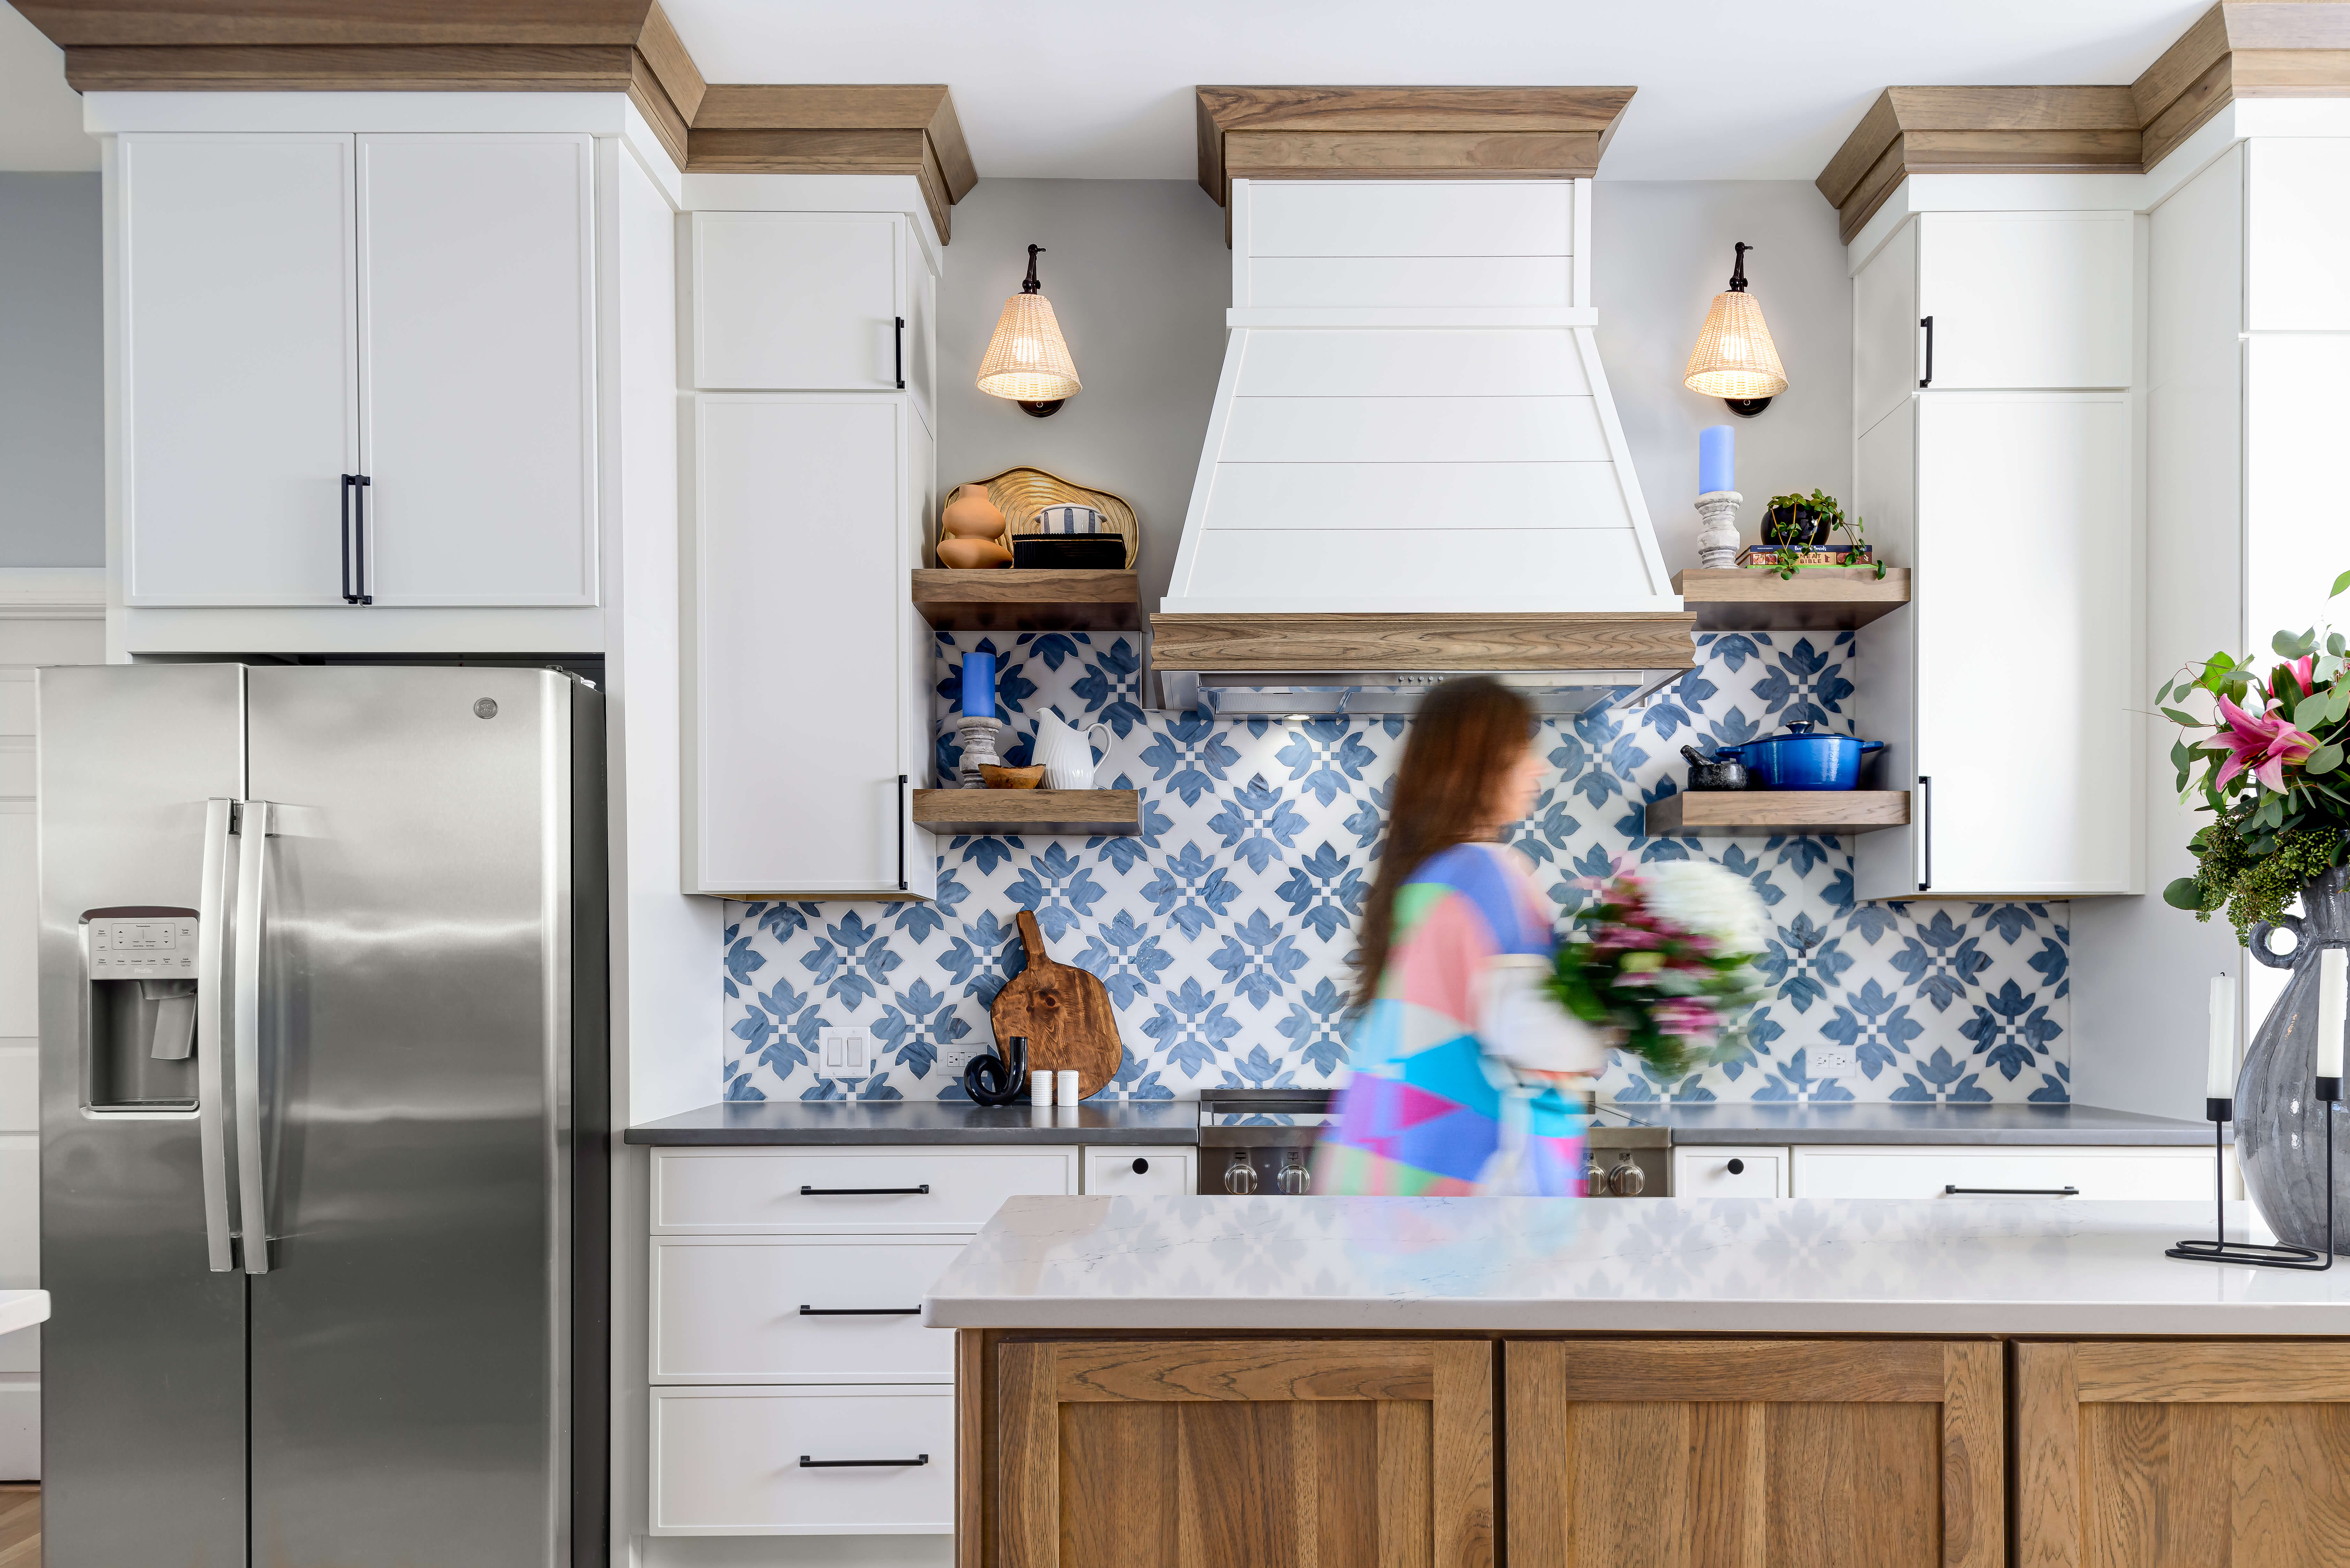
(1990, 1171)
(797, 1309)
(730, 1461)
(847, 1190)
(1136, 1171)
(1707, 1171)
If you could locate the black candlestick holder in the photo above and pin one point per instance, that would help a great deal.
(2219, 1250)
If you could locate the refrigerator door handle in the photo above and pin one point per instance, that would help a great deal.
(252, 872)
(212, 1032)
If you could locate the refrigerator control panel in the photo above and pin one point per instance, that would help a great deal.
(141, 948)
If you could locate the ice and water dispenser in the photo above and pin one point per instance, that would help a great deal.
(138, 965)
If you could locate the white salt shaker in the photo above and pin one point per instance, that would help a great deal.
(1067, 1092)
(1040, 1088)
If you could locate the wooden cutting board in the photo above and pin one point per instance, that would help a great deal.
(1064, 1012)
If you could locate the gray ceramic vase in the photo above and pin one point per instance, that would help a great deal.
(2280, 1136)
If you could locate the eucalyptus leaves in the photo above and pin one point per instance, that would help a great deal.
(2269, 767)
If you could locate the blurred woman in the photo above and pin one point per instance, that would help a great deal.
(1458, 1052)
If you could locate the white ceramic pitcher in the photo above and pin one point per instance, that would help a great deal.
(1067, 753)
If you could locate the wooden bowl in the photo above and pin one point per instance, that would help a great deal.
(1013, 778)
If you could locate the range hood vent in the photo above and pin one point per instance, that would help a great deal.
(1413, 465)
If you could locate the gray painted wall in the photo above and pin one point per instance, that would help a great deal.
(1140, 276)
(52, 392)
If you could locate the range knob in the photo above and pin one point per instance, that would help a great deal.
(1240, 1176)
(1627, 1181)
(1594, 1176)
(1293, 1177)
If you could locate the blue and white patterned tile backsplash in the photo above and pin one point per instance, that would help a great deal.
(1222, 931)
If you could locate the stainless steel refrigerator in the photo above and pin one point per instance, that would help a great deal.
(323, 1169)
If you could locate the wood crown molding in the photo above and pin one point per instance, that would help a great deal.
(515, 46)
(1403, 132)
(2264, 49)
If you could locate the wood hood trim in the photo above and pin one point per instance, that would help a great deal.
(517, 46)
(1634, 639)
(2237, 49)
(1403, 132)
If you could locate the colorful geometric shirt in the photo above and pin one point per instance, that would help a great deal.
(1422, 1113)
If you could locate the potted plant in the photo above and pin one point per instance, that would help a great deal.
(1794, 524)
(2265, 753)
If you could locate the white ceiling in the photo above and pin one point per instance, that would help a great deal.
(1102, 89)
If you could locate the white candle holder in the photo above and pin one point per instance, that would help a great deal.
(977, 738)
(1717, 527)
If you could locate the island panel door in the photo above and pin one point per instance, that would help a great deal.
(1754, 1454)
(2182, 1454)
(1244, 1454)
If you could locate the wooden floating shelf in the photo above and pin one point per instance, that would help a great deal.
(1009, 600)
(1753, 813)
(1037, 812)
(1816, 598)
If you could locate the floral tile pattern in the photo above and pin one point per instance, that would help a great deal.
(1222, 931)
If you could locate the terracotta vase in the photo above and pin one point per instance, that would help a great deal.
(970, 515)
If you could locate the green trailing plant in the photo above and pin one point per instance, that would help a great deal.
(2267, 765)
(1787, 549)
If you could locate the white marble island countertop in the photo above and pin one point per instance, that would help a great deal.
(1676, 1265)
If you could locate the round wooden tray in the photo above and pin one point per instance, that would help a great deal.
(1021, 494)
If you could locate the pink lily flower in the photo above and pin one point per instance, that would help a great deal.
(2262, 744)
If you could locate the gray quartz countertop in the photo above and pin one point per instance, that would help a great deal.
(925, 1121)
(1178, 1122)
(1885, 1124)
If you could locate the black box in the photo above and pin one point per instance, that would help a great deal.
(1068, 552)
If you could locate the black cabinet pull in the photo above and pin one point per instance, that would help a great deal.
(1141, 1166)
(901, 353)
(349, 596)
(1927, 323)
(2014, 1192)
(359, 483)
(863, 1191)
(901, 829)
(1737, 1167)
(1926, 812)
(808, 1464)
(860, 1312)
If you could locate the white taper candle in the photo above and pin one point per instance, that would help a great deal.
(2219, 1076)
(2332, 991)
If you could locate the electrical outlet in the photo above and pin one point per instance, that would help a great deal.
(1828, 1060)
(954, 1058)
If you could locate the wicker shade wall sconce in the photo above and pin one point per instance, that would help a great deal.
(1735, 360)
(1027, 362)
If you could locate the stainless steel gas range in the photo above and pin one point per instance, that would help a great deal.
(1262, 1140)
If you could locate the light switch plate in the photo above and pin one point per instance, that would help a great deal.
(856, 1048)
(835, 1047)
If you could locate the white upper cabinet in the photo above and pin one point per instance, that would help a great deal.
(2298, 234)
(1884, 333)
(2024, 300)
(819, 302)
(2025, 546)
(237, 360)
(812, 672)
(477, 341)
(415, 309)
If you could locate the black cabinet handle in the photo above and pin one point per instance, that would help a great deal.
(901, 353)
(1141, 1166)
(863, 1191)
(808, 1464)
(901, 827)
(1737, 1167)
(1927, 323)
(860, 1312)
(357, 593)
(1925, 814)
(2015, 1192)
(350, 597)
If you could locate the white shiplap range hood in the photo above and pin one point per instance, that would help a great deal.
(1413, 468)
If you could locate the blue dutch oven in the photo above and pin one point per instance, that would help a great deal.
(1803, 758)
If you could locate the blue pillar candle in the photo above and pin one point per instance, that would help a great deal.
(979, 684)
(1716, 459)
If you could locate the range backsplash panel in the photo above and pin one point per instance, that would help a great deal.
(1224, 930)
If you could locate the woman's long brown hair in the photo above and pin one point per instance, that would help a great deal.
(1467, 733)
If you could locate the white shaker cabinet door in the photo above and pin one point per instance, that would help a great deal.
(476, 291)
(800, 733)
(237, 358)
(788, 301)
(2022, 300)
(2027, 697)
